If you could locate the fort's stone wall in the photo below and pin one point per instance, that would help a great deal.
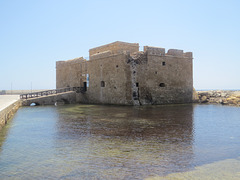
(109, 81)
(71, 73)
(120, 74)
(161, 79)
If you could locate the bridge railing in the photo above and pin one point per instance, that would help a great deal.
(51, 92)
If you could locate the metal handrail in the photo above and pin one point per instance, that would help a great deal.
(52, 91)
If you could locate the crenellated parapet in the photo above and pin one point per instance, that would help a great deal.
(171, 52)
(119, 47)
(179, 53)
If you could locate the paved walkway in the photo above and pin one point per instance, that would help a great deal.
(6, 100)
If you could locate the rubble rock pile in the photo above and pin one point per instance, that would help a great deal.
(219, 97)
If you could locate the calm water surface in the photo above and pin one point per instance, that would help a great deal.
(116, 142)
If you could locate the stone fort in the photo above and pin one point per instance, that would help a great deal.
(118, 73)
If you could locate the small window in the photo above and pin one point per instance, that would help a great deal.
(162, 85)
(136, 84)
(116, 66)
(135, 95)
(85, 86)
(163, 63)
(87, 80)
(155, 72)
(102, 84)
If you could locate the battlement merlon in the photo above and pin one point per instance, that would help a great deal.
(179, 53)
(115, 48)
(154, 50)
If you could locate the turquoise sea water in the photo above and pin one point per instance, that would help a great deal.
(116, 142)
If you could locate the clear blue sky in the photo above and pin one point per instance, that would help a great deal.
(34, 34)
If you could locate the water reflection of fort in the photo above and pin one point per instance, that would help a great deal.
(157, 139)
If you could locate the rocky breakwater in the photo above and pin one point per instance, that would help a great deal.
(219, 97)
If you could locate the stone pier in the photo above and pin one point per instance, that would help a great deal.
(9, 104)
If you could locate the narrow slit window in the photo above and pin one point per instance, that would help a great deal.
(102, 84)
(137, 84)
(162, 85)
(85, 86)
